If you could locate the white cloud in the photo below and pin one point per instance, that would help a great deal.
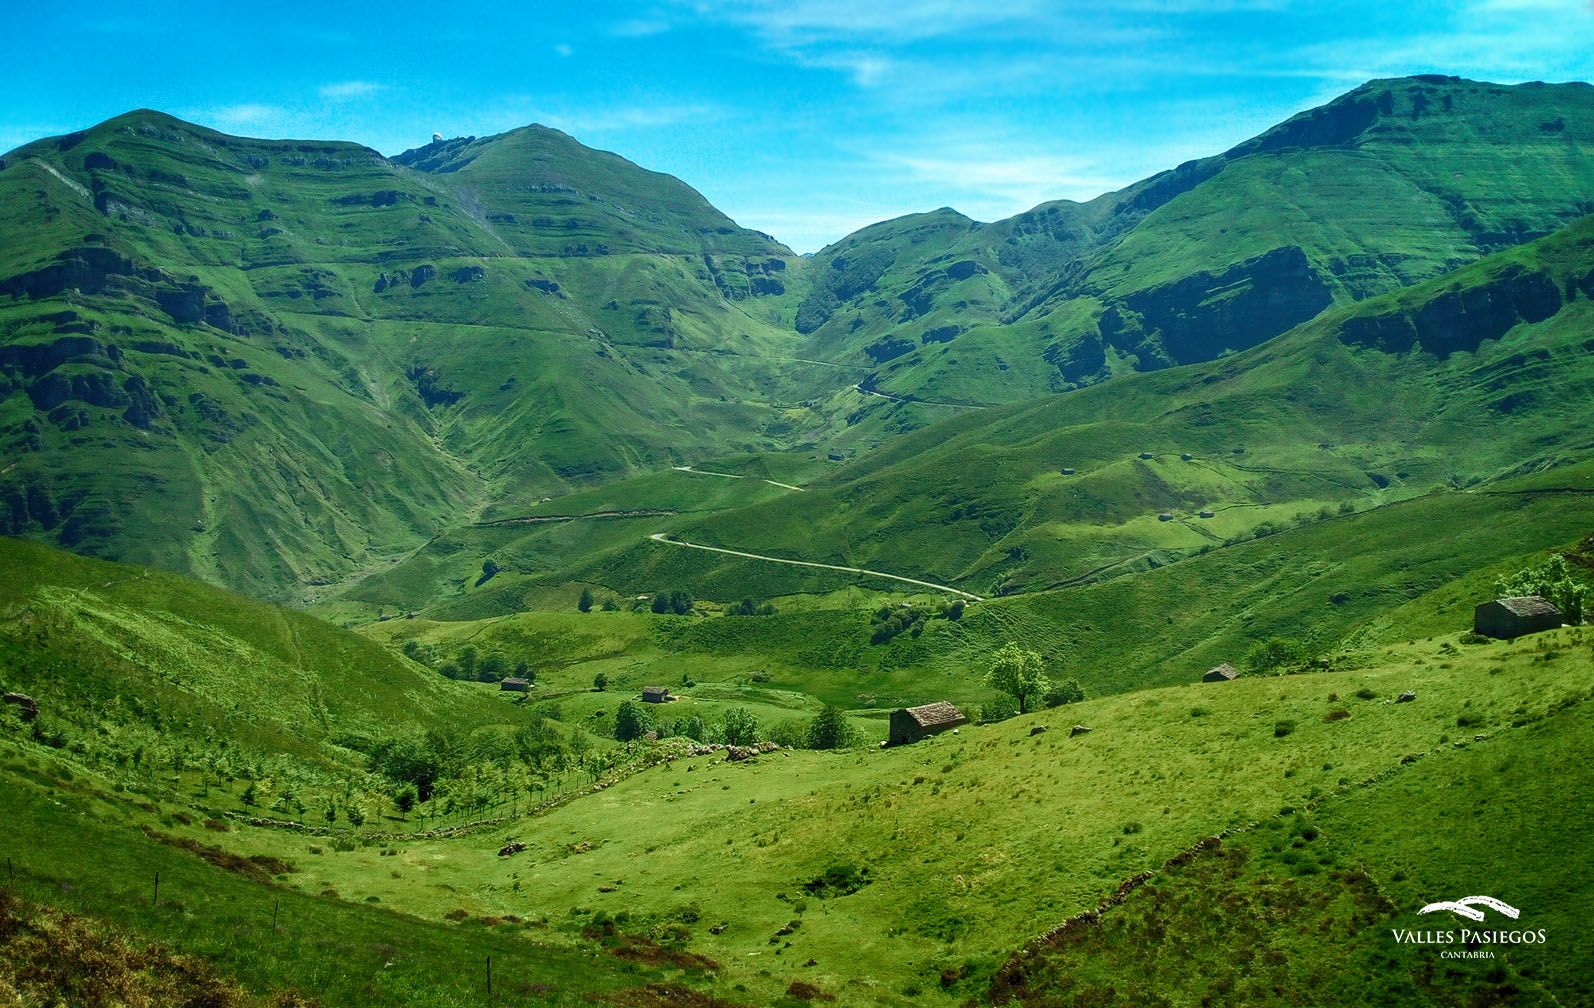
(791, 22)
(990, 183)
(347, 90)
(247, 114)
(639, 27)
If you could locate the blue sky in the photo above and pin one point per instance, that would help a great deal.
(803, 118)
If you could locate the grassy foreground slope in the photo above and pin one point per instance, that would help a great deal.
(909, 876)
(1301, 910)
(887, 877)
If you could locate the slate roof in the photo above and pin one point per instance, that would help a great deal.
(938, 713)
(1225, 670)
(1529, 605)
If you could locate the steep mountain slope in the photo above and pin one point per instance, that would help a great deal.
(1395, 182)
(1456, 381)
(137, 657)
(274, 362)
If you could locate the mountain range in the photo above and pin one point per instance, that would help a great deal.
(281, 365)
(356, 509)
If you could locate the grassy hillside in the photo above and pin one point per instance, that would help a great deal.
(286, 365)
(911, 875)
(274, 363)
(1458, 381)
(1384, 575)
(1395, 182)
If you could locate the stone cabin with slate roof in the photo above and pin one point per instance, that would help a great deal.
(655, 694)
(910, 724)
(1509, 618)
(514, 684)
(1222, 673)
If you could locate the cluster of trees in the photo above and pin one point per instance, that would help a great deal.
(677, 602)
(468, 664)
(751, 607)
(829, 729)
(889, 621)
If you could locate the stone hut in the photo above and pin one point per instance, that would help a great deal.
(655, 694)
(1509, 618)
(910, 724)
(1222, 673)
(514, 684)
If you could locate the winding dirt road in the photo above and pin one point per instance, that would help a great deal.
(661, 537)
(708, 472)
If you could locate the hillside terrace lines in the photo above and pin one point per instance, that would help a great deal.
(664, 537)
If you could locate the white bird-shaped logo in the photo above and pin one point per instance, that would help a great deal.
(1468, 907)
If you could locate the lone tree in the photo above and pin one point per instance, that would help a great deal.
(830, 730)
(1020, 674)
(741, 728)
(630, 721)
(585, 605)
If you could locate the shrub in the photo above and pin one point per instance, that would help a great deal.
(740, 727)
(631, 721)
(999, 709)
(1283, 728)
(1069, 692)
(830, 729)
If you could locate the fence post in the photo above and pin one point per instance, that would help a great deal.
(489, 978)
(155, 900)
(276, 905)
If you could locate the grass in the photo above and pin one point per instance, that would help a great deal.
(947, 829)
(1415, 567)
(1300, 909)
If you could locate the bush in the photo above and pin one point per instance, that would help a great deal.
(1283, 728)
(740, 727)
(1000, 709)
(631, 721)
(830, 729)
(1274, 652)
(1069, 692)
